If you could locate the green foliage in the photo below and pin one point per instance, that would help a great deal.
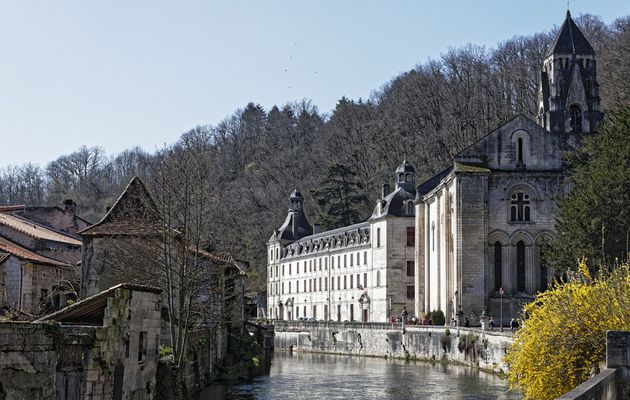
(563, 338)
(436, 317)
(166, 353)
(340, 197)
(467, 342)
(594, 220)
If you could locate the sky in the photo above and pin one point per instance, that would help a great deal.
(120, 73)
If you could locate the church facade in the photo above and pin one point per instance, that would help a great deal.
(362, 272)
(482, 223)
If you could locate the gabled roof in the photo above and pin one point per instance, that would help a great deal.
(7, 246)
(91, 311)
(36, 230)
(133, 212)
(570, 40)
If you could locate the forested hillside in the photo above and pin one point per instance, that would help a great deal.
(254, 158)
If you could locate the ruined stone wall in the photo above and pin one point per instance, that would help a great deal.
(28, 360)
(472, 347)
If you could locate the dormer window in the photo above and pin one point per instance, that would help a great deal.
(520, 207)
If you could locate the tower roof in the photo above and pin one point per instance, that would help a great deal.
(405, 167)
(570, 40)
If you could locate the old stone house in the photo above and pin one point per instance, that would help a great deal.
(102, 347)
(481, 224)
(362, 272)
(38, 262)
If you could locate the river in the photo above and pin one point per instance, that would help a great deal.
(322, 376)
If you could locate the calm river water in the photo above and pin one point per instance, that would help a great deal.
(319, 376)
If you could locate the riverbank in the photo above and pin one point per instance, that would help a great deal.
(470, 346)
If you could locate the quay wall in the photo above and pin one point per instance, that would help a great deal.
(432, 343)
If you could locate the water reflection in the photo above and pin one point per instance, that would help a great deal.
(319, 376)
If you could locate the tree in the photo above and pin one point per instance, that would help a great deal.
(563, 338)
(339, 196)
(594, 220)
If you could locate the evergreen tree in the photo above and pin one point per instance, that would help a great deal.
(340, 197)
(594, 220)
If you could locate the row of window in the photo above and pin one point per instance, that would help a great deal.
(411, 233)
(319, 263)
(321, 284)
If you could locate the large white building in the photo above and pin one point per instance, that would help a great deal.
(363, 272)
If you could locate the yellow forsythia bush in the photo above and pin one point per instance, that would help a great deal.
(563, 338)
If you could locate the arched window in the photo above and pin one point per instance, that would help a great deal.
(520, 266)
(520, 207)
(497, 266)
(519, 150)
(575, 118)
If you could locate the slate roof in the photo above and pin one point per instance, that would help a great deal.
(133, 213)
(405, 167)
(35, 230)
(570, 40)
(91, 310)
(7, 246)
(431, 183)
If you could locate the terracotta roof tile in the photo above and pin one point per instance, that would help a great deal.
(35, 230)
(14, 249)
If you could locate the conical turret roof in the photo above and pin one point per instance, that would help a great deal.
(570, 40)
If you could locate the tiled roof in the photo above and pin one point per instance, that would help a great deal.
(6, 246)
(133, 209)
(36, 230)
(90, 311)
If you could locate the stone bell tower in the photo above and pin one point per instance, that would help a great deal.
(569, 93)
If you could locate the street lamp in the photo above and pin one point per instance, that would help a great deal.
(501, 317)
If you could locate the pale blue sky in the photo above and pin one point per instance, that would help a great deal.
(124, 73)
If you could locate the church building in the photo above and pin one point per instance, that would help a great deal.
(482, 223)
(362, 272)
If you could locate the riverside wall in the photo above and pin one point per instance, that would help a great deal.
(471, 347)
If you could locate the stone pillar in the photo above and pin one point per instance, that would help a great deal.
(618, 357)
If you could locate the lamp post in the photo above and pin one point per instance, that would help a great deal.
(501, 291)
(403, 316)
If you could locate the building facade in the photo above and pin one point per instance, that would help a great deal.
(362, 272)
(481, 225)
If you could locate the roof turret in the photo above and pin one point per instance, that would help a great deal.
(570, 40)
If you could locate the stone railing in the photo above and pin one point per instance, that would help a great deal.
(614, 381)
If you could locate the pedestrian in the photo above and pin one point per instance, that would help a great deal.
(492, 324)
(467, 322)
(513, 324)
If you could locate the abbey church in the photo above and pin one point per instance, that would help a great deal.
(481, 224)
(466, 240)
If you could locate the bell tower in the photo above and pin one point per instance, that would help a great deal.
(569, 93)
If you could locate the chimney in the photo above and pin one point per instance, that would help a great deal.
(316, 228)
(386, 190)
(70, 206)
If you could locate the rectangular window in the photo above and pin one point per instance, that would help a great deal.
(358, 258)
(320, 264)
(345, 282)
(332, 262)
(315, 312)
(142, 346)
(305, 311)
(326, 263)
(310, 285)
(310, 265)
(320, 284)
(326, 284)
(365, 257)
(351, 280)
(358, 281)
(411, 291)
(289, 287)
(365, 280)
(351, 258)
(297, 286)
(338, 261)
(289, 269)
(305, 285)
(411, 270)
(276, 271)
(378, 237)
(304, 266)
(297, 312)
(271, 272)
(338, 283)
(411, 236)
(345, 260)
(332, 283)
(282, 287)
(282, 269)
